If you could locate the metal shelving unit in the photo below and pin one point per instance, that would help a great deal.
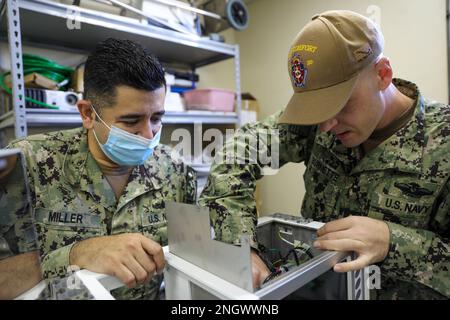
(42, 117)
(44, 23)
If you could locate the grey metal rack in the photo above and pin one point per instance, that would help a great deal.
(43, 117)
(44, 23)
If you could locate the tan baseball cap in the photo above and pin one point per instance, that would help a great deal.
(324, 62)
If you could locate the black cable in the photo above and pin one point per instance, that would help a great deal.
(264, 259)
(297, 261)
(288, 254)
(280, 256)
(307, 251)
(271, 276)
(43, 66)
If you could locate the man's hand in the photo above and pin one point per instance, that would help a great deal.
(368, 237)
(259, 270)
(131, 257)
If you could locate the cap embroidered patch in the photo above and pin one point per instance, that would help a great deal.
(298, 70)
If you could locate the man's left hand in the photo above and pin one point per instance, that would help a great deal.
(367, 237)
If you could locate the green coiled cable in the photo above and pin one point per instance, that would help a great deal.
(46, 68)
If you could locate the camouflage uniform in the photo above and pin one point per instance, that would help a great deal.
(404, 181)
(72, 199)
(15, 240)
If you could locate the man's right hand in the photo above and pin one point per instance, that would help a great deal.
(259, 270)
(131, 257)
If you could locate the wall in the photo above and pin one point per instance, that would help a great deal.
(220, 74)
(415, 36)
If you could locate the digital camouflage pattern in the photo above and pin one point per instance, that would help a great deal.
(72, 200)
(18, 239)
(404, 181)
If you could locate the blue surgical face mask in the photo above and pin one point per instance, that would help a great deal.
(125, 148)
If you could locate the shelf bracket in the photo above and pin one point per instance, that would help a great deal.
(18, 88)
(237, 72)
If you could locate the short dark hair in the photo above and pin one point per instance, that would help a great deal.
(117, 62)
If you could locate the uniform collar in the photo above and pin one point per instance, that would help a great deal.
(81, 170)
(402, 151)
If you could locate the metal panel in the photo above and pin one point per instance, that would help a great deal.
(44, 117)
(203, 117)
(302, 230)
(190, 238)
(188, 233)
(288, 283)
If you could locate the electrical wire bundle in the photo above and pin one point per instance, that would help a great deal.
(301, 253)
(45, 67)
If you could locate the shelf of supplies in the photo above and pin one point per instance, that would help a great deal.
(43, 118)
(193, 116)
(45, 23)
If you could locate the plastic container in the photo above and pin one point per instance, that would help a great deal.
(211, 99)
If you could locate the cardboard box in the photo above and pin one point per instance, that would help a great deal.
(250, 108)
(77, 82)
(35, 80)
(249, 102)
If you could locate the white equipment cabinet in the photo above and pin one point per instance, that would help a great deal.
(200, 268)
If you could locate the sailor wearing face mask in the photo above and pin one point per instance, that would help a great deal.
(99, 192)
(125, 148)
